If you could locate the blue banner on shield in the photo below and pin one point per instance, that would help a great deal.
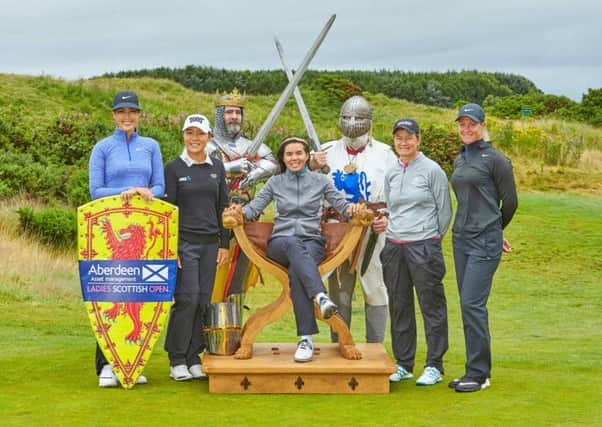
(128, 281)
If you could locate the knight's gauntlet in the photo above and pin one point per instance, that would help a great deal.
(241, 165)
(252, 178)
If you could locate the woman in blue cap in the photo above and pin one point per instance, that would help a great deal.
(124, 164)
(486, 193)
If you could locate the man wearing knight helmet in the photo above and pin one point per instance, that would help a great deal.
(242, 175)
(358, 164)
(230, 146)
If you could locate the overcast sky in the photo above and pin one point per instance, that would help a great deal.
(555, 43)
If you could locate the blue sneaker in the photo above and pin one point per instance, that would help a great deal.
(401, 375)
(430, 376)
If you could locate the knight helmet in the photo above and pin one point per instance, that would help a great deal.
(356, 117)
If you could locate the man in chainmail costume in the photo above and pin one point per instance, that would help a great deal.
(243, 173)
(358, 164)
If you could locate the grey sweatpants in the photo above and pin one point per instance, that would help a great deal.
(476, 260)
(417, 265)
(301, 257)
(185, 339)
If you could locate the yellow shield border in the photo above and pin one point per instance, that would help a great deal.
(128, 356)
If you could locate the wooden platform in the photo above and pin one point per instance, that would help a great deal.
(273, 370)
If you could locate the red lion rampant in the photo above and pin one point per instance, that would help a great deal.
(128, 244)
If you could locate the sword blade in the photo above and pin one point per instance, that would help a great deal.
(309, 126)
(223, 147)
(370, 246)
(269, 122)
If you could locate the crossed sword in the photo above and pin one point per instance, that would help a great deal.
(288, 91)
(291, 88)
(315, 141)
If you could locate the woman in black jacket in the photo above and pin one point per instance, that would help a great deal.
(196, 183)
(486, 193)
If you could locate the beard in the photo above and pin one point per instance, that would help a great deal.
(233, 129)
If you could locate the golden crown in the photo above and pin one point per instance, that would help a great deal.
(232, 99)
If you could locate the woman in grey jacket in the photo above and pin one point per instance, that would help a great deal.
(417, 195)
(296, 241)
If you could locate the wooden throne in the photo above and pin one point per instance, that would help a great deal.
(341, 240)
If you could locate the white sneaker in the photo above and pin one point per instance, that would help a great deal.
(107, 378)
(327, 307)
(180, 373)
(430, 376)
(305, 352)
(197, 372)
(401, 375)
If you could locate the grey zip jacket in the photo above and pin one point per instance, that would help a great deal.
(418, 200)
(298, 200)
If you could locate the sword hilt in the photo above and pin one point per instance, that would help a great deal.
(381, 212)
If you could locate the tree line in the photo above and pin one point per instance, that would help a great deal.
(502, 94)
(445, 89)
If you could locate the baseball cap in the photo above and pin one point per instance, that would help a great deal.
(126, 99)
(197, 121)
(408, 125)
(473, 112)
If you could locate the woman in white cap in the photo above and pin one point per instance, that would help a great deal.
(127, 164)
(196, 183)
(419, 204)
(484, 186)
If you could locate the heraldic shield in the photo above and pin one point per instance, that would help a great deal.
(127, 266)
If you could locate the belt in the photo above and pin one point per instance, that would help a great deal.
(376, 206)
(405, 242)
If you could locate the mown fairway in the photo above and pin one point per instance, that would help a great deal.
(545, 314)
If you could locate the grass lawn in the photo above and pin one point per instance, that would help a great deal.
(545, 316)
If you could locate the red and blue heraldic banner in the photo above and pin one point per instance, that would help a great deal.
(127, 266)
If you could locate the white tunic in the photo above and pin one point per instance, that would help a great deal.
(372, 164)
(366, 183)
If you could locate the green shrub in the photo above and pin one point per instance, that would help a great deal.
(78, 187)
(70, 138)
(336, 89)
(52, 226)
(504, 136)
(11, 135)
(551, 146)
(166, 130)
(26, 218)
(20, 173)
(440, 145)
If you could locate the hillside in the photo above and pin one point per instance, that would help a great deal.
(48, 127)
